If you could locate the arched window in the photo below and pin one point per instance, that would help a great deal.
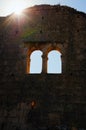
(36, 62)
(54, 62)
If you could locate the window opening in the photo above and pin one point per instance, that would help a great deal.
(54, 62)
(36, 62)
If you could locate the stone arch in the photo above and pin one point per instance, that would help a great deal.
(51, 48)
(54, 63)
(30, 50)
(35, 61)
(45, 49)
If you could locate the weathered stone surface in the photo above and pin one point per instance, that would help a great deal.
(60, 98)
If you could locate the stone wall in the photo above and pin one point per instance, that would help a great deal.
(60, 98)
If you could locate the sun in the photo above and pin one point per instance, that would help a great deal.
(18, 11)
(17, 6)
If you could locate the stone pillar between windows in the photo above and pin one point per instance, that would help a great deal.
(44, 63)
(28, 64)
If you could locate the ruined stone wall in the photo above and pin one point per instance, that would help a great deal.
(58, 96)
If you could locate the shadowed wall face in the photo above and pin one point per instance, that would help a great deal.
(60, 96)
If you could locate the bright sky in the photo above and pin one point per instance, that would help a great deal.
(9, 6)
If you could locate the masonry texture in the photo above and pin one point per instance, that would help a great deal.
(58, 98)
